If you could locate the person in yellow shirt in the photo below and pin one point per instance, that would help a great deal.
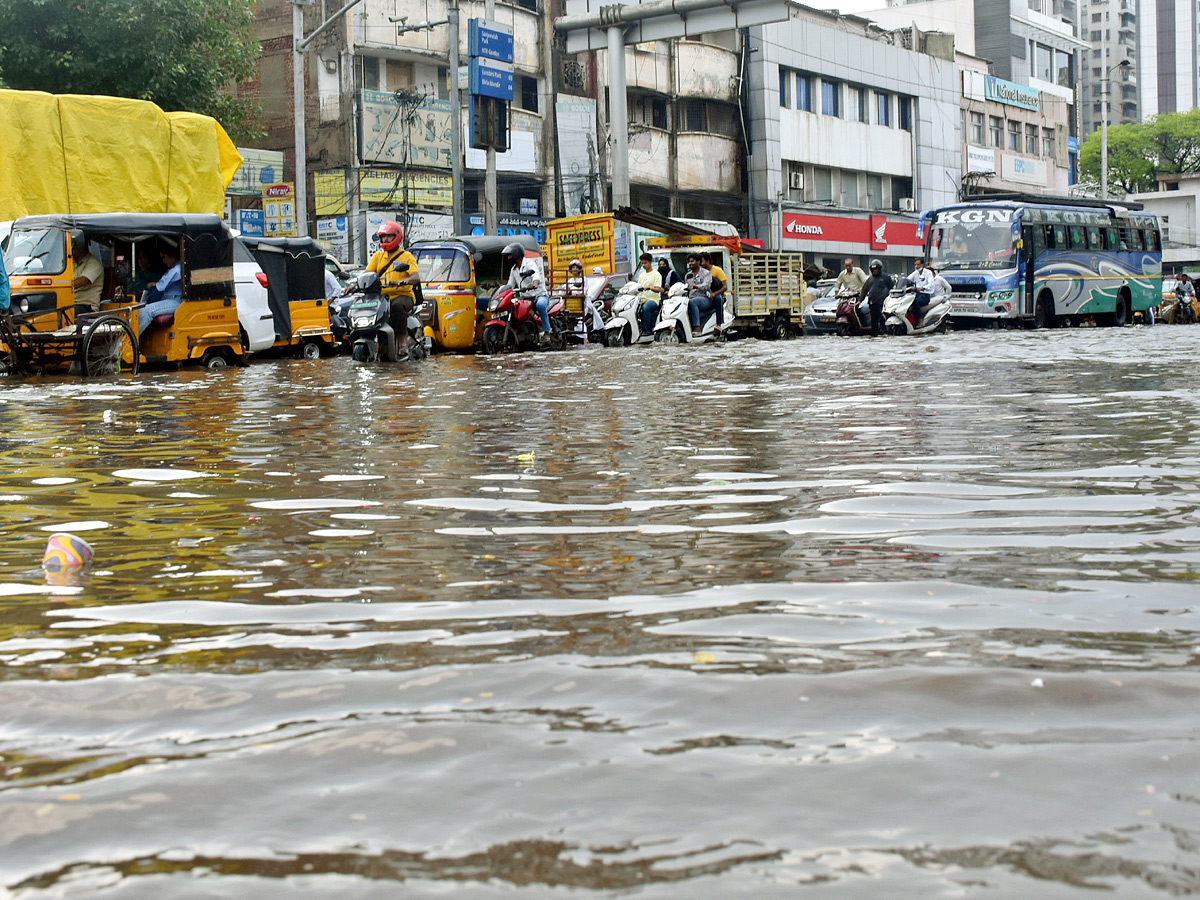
(397, 286)
(720, 286)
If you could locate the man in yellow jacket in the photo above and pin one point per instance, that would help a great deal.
(397, 286)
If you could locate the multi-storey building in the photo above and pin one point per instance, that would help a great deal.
(1110, 27)
(1168, 64)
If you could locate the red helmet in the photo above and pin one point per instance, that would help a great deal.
(390, 235)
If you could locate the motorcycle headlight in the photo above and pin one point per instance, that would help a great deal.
(493, 303)
(362, 321)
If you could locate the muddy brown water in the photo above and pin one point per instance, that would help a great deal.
(865, 618)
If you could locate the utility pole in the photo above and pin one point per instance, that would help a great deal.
(300, 45)
(618, 117)
(456, 185)
(490, 222)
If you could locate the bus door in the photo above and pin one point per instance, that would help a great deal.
(1031, 248)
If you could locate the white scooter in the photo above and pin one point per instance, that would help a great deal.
(900, 314)
(625, 325)
(675, 326)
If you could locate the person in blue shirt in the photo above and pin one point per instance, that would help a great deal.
(166, 295)
(5, 295)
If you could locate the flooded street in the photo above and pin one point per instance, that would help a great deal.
(879, 618)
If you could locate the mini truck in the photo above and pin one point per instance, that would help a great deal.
(766, 289)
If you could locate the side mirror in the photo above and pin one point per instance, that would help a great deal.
(401, 267)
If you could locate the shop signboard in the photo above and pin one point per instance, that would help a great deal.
(1024, 171)
(879, 231)
(250, 222)
(332, 232)
(981, 160)
(425, 189)
(1011, 93)
(279, 209)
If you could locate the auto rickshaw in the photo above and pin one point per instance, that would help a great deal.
(295, 273)
(204, 328)
(458, 276)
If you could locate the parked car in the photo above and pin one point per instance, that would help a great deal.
(254, 312)
(340, 272)
(820, 316)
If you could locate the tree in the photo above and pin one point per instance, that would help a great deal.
(179, 54)
(1168, 144)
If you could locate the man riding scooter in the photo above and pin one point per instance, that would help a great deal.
(876, 290)
(699, 283)
(527, 281)
(397, 284)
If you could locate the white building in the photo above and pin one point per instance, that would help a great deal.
(1168, 35)
(1177, 204)
(1110, 27)
(851, 130)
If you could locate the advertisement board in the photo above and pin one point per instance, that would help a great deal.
(384, 136)
(332, 232)
(879, 231)
(1024, 171)
(424, 188)
(259, 167)
(279, 209)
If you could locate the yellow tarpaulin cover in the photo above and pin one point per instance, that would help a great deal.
(71, 153)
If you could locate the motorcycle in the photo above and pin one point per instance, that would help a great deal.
(900, 313)
(853, 316)
(674, 325)
(369, 329)
(515, 325)
(624, 328)
(1179, 311)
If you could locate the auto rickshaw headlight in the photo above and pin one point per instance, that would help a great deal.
(23, 306)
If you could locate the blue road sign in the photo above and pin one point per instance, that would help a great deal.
(489, 39)
(489, 78)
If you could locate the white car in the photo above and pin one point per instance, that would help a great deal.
(254, 313)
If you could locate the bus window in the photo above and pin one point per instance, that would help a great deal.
(1078, 241)
(1135, 240)
(1060, 237)
(1093, 236)
(1112, 239)
(1037, 239)
(1152, 244)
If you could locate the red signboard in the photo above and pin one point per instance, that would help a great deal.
(877, 230)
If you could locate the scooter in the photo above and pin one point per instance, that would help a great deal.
(900, 313)
(625, 326)
(370, 333)
(853, 316)
(515, 325)
(1179, 311)
(674, 326)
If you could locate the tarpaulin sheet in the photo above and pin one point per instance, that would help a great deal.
(79, 154)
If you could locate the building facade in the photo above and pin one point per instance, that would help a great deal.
(847, 123)
(1110, 28)
(1168, 64)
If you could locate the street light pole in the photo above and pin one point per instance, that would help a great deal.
(1104, 83)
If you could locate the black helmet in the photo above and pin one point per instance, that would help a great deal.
(515, 252)
(876, 264)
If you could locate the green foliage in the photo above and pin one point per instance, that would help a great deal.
(1137, 154)
(176, 53)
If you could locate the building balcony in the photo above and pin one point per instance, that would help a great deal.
(649, 156)
(708, 162)
(707, 71)
(647, 68)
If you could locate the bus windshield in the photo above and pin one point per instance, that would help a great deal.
(972, 241)
(42, 251)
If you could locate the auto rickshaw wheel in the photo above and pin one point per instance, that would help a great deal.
(109, 347)
(215, 359)
(310, 350)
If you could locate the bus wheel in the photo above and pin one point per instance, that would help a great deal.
(1043, 313)
(1120, 314)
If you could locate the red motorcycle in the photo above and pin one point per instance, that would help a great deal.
(515, 325)
(850, 319)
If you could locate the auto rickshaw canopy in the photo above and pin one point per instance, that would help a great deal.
(206, 243)
(295, 270)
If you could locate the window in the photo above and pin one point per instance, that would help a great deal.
(529, 93)
(785, 84)
(1135, 240)
(370, 73)
(695, 116)
(1093, 238)
(822, 185)
(1048, 149)
(901, 188)
(1112, 239)
(1057, 239)
(977, 128)
(906, 113)
(831, 93)
(849, 189)
(1031, 140)
(804, 87)
(1014, 136)
(862, 110)
(1043, 62)
(883, 109)
(1077, 238)
(875, 192)
(1152, 241)
(650, 110)
(997, 128)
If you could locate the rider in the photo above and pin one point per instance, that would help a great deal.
(526, 281)
(850, 279)
(939, 289)
(720, 286)
(698, 282)
(396, 286)
(650, 282)
(876, 290)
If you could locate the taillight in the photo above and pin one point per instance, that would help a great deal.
(262, 278)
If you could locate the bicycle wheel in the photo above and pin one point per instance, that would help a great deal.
(109, 347)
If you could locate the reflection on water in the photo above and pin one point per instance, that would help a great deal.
(896, 618)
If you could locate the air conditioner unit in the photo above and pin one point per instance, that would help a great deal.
(908, 204)
(796, 180)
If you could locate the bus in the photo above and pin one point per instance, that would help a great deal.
(1044, 261)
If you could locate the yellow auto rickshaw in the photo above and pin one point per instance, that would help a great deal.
(295, 273)
(42, 262)
(458, 276)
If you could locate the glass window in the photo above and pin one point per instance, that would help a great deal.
(849, 195)
(1064, 62)
(863, 113)
(1014, 136)
(822, 185)
(804, 88)
(1135, 240)
(785, 84)
(1058, 239)
(1093, 237)
(875, 192)
(1048, 149)
(443, 264)
(831, 95)
(883, 109)
(1077, 238)
(997, 128)
(906, 113)
(1031, 140)
(1044, 60)
(39, 252)
(977, 128)
(696, 120)
(1152, 241)
(1112, 239)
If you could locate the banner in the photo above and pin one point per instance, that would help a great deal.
(576, 121)
(329, 192)
(878, 231)
(387, 186)
(384, 134)
(279, 209)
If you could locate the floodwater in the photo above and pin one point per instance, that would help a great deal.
(879, 618)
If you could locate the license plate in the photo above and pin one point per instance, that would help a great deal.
(827, 320)
(961, 308)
